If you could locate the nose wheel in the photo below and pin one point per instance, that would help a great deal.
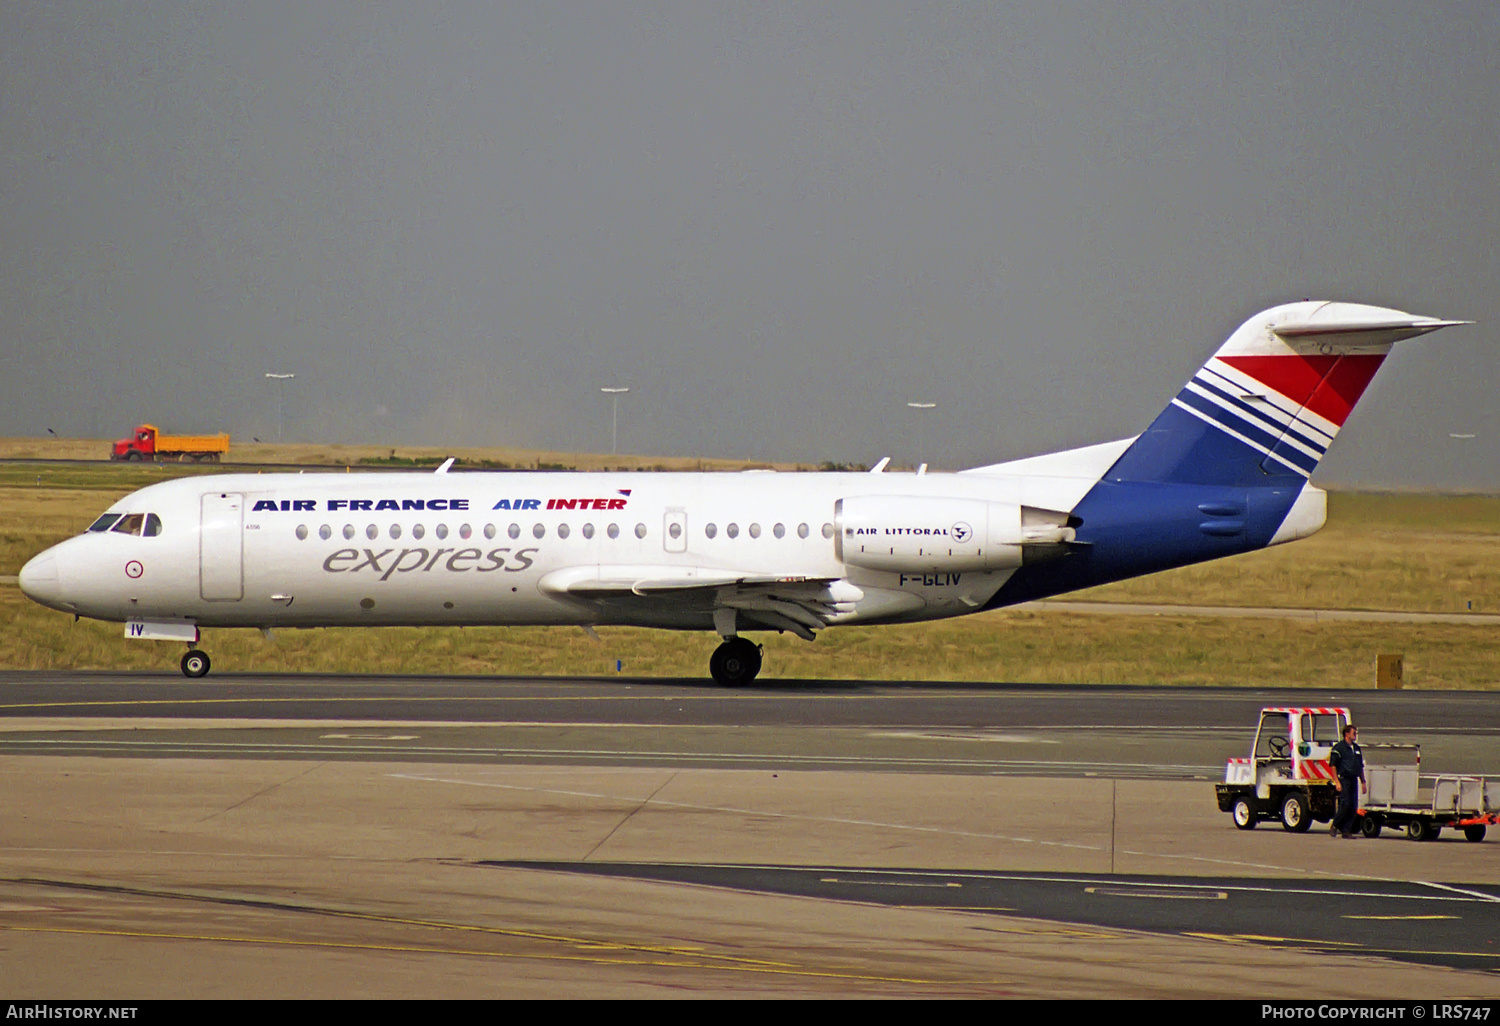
(735, 663)
(195, 663)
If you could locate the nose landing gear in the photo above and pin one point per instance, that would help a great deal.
(734, 663)
(195, 663)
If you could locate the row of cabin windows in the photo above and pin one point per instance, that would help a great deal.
(540, 531)
(138, 524)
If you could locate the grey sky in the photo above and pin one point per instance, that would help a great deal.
(776, 223)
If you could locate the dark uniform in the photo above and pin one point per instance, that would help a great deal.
(1349, 762)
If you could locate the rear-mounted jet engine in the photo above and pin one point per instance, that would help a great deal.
(916, 534)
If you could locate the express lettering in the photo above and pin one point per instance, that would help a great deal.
(423, 560)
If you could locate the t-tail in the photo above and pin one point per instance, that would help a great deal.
(1225, 467)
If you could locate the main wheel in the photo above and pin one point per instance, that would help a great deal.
(1474, 832)
(195, 664)
(1423, 830)
(1296, 814)
(1370, 826)
(735, 663)
(1244, 814)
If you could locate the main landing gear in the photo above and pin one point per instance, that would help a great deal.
(734, 663)
(195, 663)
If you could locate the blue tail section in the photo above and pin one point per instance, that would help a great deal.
(1195, 441)
(1129, 528)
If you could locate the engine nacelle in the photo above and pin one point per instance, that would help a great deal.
(916, 533)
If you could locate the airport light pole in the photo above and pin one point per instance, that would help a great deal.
(614, 420)
(921, 406)
(280, 379)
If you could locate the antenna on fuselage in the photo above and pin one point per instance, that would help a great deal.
(879, 468)
(443, 469)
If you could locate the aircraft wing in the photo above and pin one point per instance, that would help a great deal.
(797, 604)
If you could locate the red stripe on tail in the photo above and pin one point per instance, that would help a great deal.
(1327, 385)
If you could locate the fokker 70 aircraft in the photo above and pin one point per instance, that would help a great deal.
(1224, 469)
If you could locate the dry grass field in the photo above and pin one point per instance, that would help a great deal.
(1420, 553)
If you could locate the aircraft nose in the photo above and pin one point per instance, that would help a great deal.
(40, 582)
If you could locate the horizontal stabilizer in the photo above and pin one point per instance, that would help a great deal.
(1343, 332)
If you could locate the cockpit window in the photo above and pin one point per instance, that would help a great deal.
(153, 525)
(104, 522)
(130, 523)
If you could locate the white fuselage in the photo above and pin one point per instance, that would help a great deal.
(324, 549)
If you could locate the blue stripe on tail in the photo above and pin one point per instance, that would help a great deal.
(1180, 448)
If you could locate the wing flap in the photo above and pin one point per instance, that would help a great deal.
(605, 580)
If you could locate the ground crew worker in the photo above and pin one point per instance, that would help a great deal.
(1348, 761)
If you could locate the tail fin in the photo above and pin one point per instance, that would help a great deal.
(1266, 406)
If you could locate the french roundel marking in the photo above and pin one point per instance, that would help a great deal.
(133, 569)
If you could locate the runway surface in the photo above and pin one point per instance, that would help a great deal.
(697, 701)
(1413, 921)
(266, 835)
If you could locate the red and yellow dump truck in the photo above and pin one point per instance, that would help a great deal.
(146, 443)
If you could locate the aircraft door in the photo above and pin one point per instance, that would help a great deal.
(674, 531)
(221, 554)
